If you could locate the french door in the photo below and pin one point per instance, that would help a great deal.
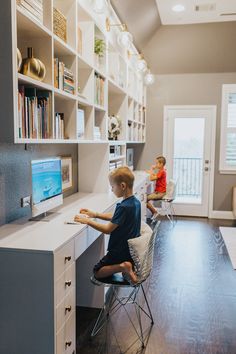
(189, 143)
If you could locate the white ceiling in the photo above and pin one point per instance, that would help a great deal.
(191, 16)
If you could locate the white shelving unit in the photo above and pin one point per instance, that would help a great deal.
(121, 91)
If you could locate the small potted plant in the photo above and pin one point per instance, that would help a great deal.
(99, 49)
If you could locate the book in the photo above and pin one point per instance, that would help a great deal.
(80, 123)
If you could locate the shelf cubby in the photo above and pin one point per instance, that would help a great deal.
(68, 9)
(88, 122)
(34, 113)
(100, 120)
(67, 107)
(100, 61)
(99, 89)
(85, 35)
(117, 105)
(27, 24)
(117, 68)
(69, 61)
(42, 50)
(85, 81)
(136, 111)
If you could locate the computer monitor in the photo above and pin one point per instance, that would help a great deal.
(46, 185)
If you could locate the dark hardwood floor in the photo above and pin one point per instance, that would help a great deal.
(192, 293)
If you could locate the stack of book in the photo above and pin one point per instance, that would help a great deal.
(115, 151)
(32, 7)
(58, 126)
(63, 77)
(97, 133)
(59, 24)
(116, 164)
(34, 113)
(99, 90)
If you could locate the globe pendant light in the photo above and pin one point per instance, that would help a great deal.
(141, 65)
(149, 79)
(99, 6)
(125, 39)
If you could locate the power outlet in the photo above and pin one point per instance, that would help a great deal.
(26, 201)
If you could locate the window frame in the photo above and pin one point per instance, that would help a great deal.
(224, 168)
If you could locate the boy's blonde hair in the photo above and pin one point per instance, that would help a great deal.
(161, 159)
(122, 174)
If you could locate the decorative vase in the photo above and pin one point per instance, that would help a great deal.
(33, 67)
(19, 59)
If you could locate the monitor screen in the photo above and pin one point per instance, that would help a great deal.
(46, 179)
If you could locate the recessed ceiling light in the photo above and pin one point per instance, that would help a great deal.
(178, 8)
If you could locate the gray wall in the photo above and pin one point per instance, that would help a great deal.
(15, 174)
(187, 89)
(197, 48)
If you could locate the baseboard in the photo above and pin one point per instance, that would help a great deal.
(219, 214)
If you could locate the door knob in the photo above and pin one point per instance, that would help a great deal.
(207, 161)
(206, 169)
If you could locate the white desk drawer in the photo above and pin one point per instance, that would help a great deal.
(65, 309)
(63, 258)
(81, 242)
(65, 283)
(65, 339)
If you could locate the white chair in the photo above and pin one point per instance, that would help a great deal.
(167, 208)
(141, 250)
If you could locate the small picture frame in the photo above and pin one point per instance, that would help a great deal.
(66, 172)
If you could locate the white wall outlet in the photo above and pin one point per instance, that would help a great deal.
(26, 201)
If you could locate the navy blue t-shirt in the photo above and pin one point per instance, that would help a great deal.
(128, 218)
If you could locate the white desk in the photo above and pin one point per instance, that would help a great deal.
(39, 274)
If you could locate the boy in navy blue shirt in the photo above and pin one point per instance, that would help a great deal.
(122, 226)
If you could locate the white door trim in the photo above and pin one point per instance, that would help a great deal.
(212, 109)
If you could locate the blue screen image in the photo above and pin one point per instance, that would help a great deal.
(46, 179)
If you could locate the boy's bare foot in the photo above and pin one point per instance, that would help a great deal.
(127, 269)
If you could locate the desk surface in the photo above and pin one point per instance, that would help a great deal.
(52, 232)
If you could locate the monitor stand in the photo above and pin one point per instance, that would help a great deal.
(45, 217)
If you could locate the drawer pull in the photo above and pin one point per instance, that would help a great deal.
(68, 344)
(67, 259)
(68, 308)
(68, 283)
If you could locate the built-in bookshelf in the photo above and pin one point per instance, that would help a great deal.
(79, 90)
(62, 35)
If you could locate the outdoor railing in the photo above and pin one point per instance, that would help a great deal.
(187, 172)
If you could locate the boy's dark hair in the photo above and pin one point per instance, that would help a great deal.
(122, 174)
(161, 159)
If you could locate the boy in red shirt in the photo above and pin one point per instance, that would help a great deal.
(160, 188)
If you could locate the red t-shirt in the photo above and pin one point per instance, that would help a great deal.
(161, 182)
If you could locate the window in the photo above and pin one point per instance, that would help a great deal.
(228, 130)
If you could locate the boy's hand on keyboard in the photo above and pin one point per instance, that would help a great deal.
(81, 219)
(88, 213)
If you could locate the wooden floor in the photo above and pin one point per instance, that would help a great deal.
(192, 293)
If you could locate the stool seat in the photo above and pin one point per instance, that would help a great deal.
(115, 279)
